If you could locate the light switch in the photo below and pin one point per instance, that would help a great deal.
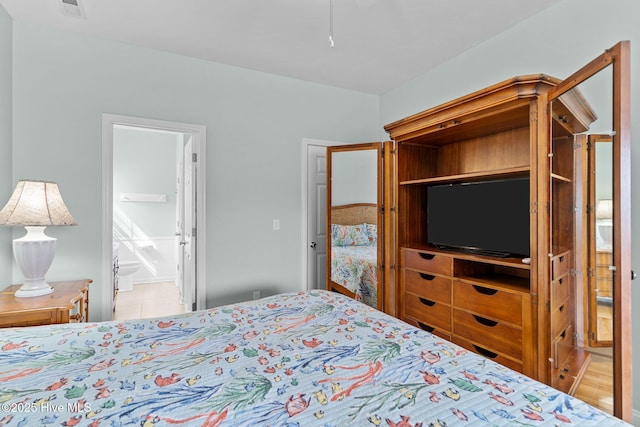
(276, 224)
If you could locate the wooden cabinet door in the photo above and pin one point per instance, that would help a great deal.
(616, 63)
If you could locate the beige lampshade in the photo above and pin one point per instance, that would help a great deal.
(604, 209)
(36, 203)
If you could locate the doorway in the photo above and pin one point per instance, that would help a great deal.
(314, 212)
(175, 252)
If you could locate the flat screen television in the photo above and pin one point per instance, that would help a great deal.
(486, 217)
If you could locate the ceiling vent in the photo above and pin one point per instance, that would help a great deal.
(72, 8)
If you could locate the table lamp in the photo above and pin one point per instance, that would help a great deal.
(35, 205)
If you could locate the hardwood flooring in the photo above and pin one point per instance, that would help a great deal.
(596, 387)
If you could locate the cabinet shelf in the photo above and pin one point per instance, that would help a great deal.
(560, 178)
(502, 281)
(485, 259)
(473, 176)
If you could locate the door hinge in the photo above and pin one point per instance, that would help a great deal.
(590, 272)
(193, 306)
(194, 232)
(194, 157)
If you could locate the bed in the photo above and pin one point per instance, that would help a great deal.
(296, 359)
(354, 251)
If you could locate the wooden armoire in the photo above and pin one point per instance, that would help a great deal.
(514, 312)
(528, 312)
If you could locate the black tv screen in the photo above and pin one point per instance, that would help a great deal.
(490, 217)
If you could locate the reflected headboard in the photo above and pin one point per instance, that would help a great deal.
(355, 213)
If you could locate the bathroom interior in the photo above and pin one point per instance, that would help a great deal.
(146, 214)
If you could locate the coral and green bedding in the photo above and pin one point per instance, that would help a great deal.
(298, 359)
(354, 267)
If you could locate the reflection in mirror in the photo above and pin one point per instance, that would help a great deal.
(353, 217)
(594, 288)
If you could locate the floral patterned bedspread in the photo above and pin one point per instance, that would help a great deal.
(354, 267)
(298, 359)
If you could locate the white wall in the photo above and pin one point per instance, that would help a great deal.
(6, 179)
(557, 41)
(256, 122)
(354, 177)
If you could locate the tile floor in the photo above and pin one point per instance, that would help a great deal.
(147, 300)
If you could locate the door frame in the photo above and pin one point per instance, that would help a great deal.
(306, 142)
(199, 133)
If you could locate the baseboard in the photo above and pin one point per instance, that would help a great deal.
(635, 417)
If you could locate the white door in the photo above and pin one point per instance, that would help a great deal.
(317, 216)
(187, 229)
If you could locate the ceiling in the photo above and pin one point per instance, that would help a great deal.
(379, 44)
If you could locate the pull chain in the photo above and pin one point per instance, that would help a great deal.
(331, 43)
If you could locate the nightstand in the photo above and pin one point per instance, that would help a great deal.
(69, 303)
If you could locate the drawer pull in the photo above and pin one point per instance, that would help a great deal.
(485, 322)
(485, 291)
(427, 302)
(426, 327)
(563, 335)
(561, 308)
(485, 352)
(426, 276)
(428, 257)
(560, 281)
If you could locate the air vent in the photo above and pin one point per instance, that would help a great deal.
(72, 8)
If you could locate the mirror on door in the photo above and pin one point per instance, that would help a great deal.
(593, 206)
(353, 217)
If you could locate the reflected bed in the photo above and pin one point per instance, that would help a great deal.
(354, 252)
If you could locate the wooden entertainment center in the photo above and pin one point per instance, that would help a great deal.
(520, 314)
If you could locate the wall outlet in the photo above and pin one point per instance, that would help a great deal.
(256, 295)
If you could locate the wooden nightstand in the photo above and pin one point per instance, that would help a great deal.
(69, 303)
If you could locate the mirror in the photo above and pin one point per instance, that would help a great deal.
(354, 243)
(600, 182)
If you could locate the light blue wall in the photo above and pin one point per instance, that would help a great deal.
(354, 177)
(6, 179)
(557, 41)
(144, 162)
(64, 82)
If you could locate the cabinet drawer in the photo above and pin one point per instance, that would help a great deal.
(431, 263)
(28, 318)
(560, 318)
(493, 303)
(432, 313)
(496, 357)
(562, 347)
(425, 327)
(426, 285)
(559, 265)
(498, 336)
(559, 291)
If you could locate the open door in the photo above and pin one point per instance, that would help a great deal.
(186, 235)
(613, 105)
(358, 225)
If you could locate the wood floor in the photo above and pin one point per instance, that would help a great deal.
(148, 300)
(596, 387)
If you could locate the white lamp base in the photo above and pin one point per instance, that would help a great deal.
(34, 254)
(34, 290)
